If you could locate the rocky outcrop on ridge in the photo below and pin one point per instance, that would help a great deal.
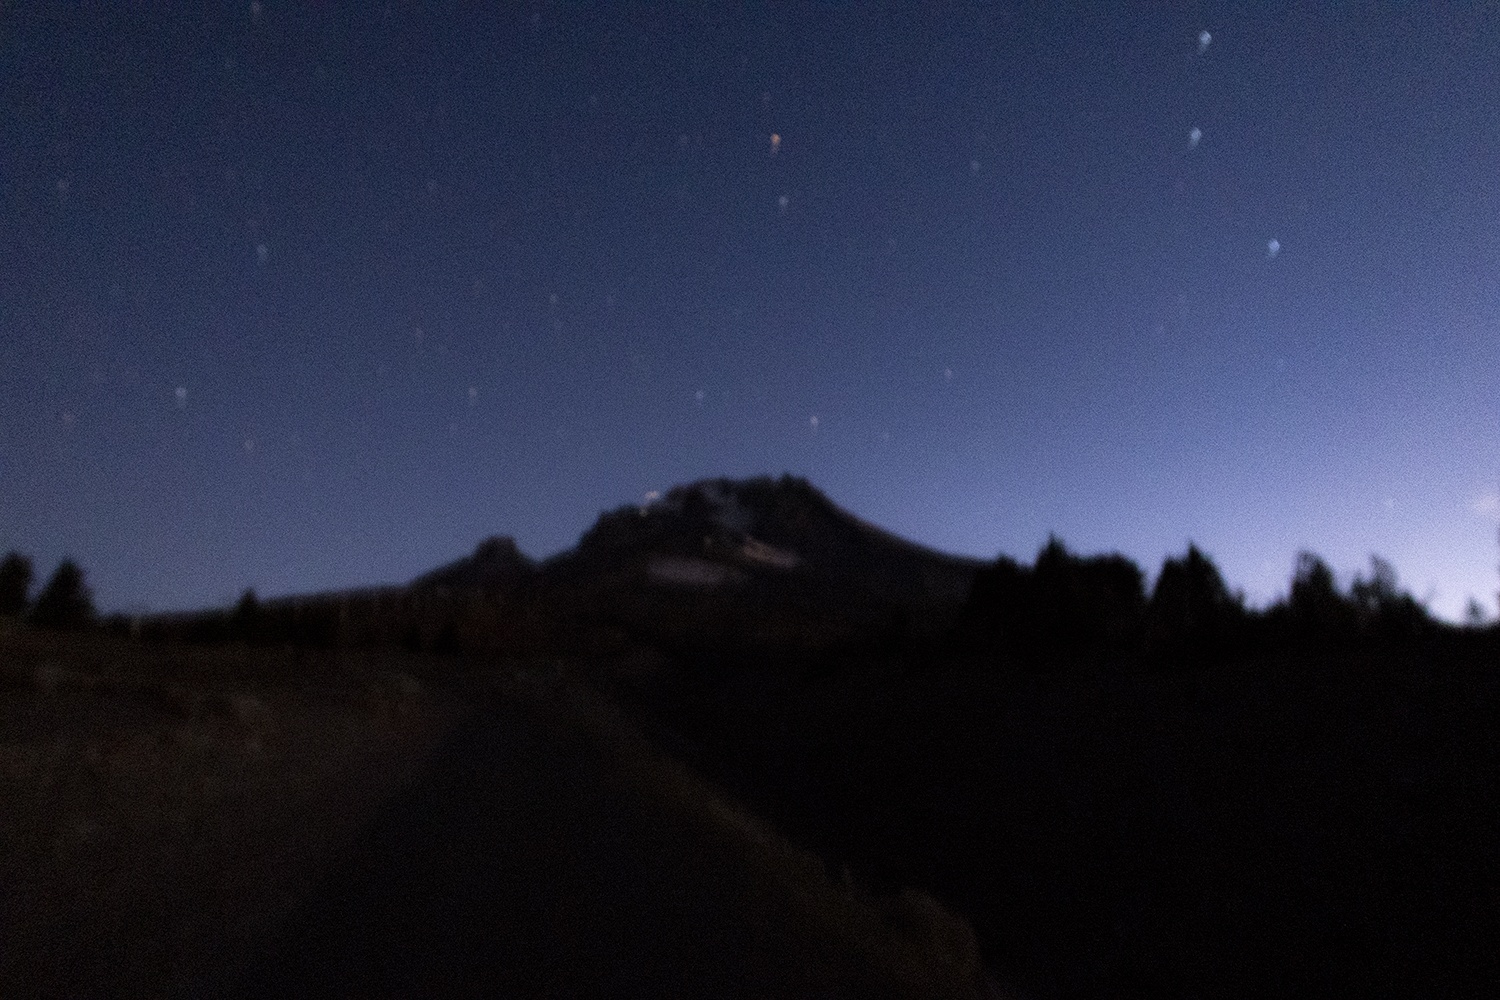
(495, 564)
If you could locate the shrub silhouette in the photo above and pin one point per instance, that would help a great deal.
(15, 584)
(65, 603)
(1193, 618)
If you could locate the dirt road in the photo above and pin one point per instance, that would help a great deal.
(521, 866)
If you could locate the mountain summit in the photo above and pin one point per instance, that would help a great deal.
(725, 532)
(732, 564)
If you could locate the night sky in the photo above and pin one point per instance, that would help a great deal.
(299, 298)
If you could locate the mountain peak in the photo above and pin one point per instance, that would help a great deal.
(771, 526)
(725, 533)
(742, 506)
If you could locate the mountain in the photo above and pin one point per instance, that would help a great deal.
(727, 565)
(720, 567)
(782, 533)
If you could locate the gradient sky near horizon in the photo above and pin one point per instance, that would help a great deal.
(300, 297)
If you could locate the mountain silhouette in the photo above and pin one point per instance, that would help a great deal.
(723, 566)
(783, 532)
(736, 564)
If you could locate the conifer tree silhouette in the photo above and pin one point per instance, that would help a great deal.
(1192, 612)
(15, 584)
(1319, 613)
(245, 623)
(65, 603)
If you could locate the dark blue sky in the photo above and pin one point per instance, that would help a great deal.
(301, 299)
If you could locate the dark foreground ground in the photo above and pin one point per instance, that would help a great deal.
(1309, 825)
(258, 823)
(252, 822)
(519, 868)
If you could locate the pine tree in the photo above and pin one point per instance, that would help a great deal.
(15, 584)
(1319, 612)
(65, 603)
(245, 623)
(1193, 614)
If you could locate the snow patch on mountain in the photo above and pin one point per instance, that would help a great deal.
(689, 571)
(757, 551)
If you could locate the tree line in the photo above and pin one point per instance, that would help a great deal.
(65, 603)
(1066, 606)
(1063, 607)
